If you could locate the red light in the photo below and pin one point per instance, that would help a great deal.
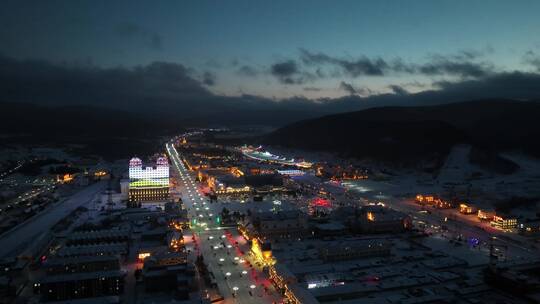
(321, 202)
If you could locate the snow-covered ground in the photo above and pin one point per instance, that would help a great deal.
(21, 236)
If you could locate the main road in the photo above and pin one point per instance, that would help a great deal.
(225, 252)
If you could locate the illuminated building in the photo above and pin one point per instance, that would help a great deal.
(503, 223)
(379, 219)
(529, 227)
(281, 276)
(287, 283)
(291, 172)
(222, 181)
(262, 251)
(66, 178)
(298, 295)
(232, 190)
(101, 174)
(143, 255)
(442, 204)
(466, 209)
(271, 158)
(319, 206)
(175, 240)
(150, 183)
(236, 172)
(425, 199)
(486, 215)
(432, 200)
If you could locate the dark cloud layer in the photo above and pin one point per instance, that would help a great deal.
(312, 89)
(209, 78)
(463, 64)
(287, 72)
(533, 59)
(441, 65)
(170, 88)
(355, 68)
(42, 82)
(347, 87)
(398, 90)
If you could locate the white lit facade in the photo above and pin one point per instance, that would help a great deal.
(148, 183)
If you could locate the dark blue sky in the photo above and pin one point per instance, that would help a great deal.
(284, 48)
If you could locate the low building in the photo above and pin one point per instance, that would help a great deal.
(281, 276)
(486, 214)
(168, 271)
(330, 229)
(296, 294)
(379, 219)
(434, 201)
(281, 224)
(98, 236)
(522, 280)
(466, 208)
(340, 251)
(504, 222)
(93, 250)
(529, 227)
(80, 285)
(57, 265)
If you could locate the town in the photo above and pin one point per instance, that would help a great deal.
(202, 221)
(270, 152)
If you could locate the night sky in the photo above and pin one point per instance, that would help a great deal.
(269, 50)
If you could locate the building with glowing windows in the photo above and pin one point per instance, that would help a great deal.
(148, 184)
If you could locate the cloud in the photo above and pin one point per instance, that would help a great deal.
(351, 90)
(209, 78)
(533, 59)
(355, 68)
(150, 39)
(460, 64)
(347, 87)
(443, 65)
(286, 68)
(398, 90)
(288, 72)
(312, 89)
(46, 83)
(171, 89)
